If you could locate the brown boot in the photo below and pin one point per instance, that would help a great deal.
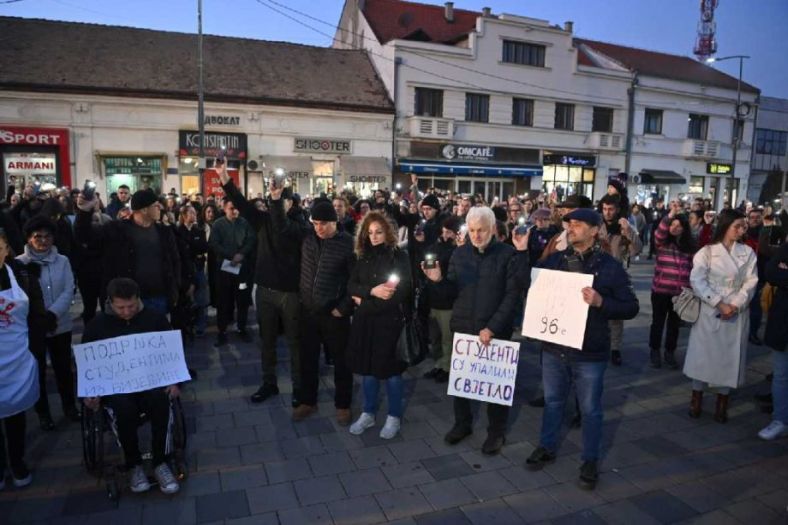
(696, 404)
(302, 412)
(721, 410)
(343, 416)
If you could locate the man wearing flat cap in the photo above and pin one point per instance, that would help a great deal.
(610, 297)
(140, 248)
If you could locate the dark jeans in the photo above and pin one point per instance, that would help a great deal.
(497, 416)
(332, 334)
(14, 427)
(127, 408)
(558, 375)
(756, 313)
(662, 311)
(273, 307)
(59, 348)
(92, 295)
(229, 299)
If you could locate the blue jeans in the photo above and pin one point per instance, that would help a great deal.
(157, 304)
(780, 386)
(394, 389)
(588, 378)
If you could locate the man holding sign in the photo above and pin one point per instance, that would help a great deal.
(124, 316)
(484, 283)
(609, 297)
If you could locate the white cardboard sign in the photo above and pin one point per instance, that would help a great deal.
(554, 310)
(131, 363)
(484, 373)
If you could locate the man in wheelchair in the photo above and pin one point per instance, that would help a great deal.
(124, 315)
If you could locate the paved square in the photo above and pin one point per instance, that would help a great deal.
(250, 464)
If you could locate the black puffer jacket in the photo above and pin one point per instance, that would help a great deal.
(443, 251)
(485, 288)
(325, 270)
(278, 244)
(118, 257)
(776, 336)
(612, 282)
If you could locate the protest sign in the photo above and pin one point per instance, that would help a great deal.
(555, 310)
(484, 373)
(131, 363)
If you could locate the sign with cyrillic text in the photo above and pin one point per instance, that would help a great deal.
(554, 309)
(131, 363)
(483, 372)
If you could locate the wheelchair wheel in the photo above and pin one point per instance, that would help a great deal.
(92, 440)
(179, 465)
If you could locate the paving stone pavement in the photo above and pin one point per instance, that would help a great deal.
(250, 464)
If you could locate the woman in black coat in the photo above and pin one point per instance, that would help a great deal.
(381, 287)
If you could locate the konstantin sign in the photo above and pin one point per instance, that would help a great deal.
(483, 372)
(131, 363)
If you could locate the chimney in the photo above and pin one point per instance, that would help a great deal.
(448, 11)
(569, 26)
(486, 12)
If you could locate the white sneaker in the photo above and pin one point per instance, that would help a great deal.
(391, 428)
(364, 421)
(167, 482)
(138, 480)
(774, 430)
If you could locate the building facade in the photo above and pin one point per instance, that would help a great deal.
(122, 129)
(769, 179)
(490, 103)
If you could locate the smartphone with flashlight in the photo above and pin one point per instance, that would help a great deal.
(430, 262)
(89, 190)
(521, 228)
(279, 178)
(463, 230)
(392, 281)
(221, 158)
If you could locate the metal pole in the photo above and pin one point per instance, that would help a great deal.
(736, 135)
(200, 98)
(630, 124)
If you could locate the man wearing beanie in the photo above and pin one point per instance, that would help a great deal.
(327, 260)
(141, 249)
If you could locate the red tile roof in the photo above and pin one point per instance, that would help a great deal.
(663, 65)
(395, 19)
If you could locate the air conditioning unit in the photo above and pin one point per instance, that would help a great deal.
(635, 179)
(252, 165)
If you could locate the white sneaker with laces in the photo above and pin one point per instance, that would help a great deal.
(774, 430)
(391, 428)
(167, 482)
(364, 421)
(138, 480)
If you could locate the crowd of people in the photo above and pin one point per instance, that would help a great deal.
(343, 278)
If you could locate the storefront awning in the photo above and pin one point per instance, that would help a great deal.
(289, 163)
(470, 169)
(661, 177)
(374, 166)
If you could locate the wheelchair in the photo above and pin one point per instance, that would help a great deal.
(96, 425)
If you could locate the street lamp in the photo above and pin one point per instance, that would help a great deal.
(736, 119)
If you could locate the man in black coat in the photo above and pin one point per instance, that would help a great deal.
(610, 297)
(276, 275)
(327, 260)
(485, 280)
(141, 249)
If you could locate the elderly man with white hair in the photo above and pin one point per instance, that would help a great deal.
(484, 280)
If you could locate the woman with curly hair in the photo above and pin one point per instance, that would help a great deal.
(380, 286)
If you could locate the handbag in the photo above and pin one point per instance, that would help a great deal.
(411, 344)
(687, 305)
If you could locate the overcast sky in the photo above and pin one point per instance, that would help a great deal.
(744, 27)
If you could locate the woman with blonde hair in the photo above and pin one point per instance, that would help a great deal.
(381, 288)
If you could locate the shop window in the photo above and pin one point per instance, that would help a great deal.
(564, 116)
(698, 126)
(135, 172)
(602, 120)
(429, 102)
(464, 186)
(652, 125)
(696, 185)
(523, 53)
(477, 107)
(443, 184)
(522, 112)
(568, 180)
